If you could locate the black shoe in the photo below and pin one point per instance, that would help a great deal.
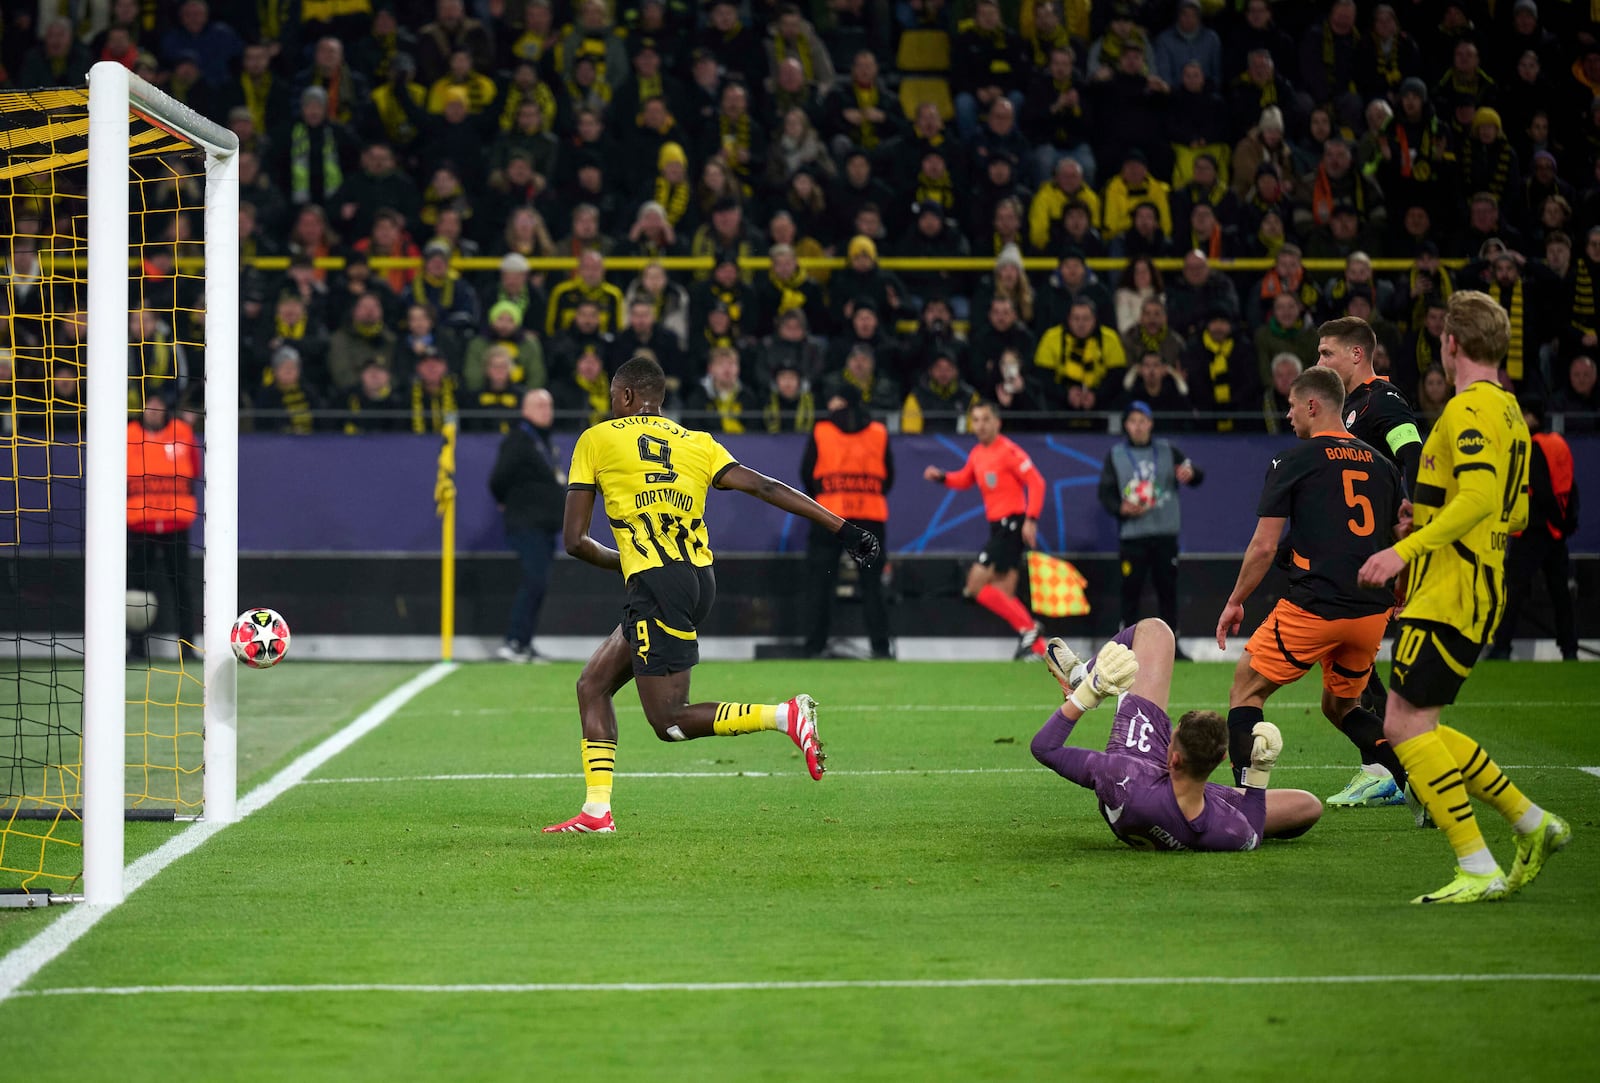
(1026, 641)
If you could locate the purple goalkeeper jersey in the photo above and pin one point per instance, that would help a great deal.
(1134, 790)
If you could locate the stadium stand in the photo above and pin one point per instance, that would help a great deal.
(451, 158)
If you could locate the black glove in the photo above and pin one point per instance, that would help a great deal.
(861, 545)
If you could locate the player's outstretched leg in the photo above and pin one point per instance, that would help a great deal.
(1538, 833)
(796, 717)
(666, 708)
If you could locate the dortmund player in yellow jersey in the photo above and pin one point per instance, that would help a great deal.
(1471, 494)
(653, 476)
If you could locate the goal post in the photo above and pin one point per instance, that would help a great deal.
(114, 93)
(130, 157)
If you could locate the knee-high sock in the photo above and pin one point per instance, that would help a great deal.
(599, 763)
(1366, 732)
(1241, 720)
(736, 718)
(1436, 780)
(1006, 607)
(1483, 776)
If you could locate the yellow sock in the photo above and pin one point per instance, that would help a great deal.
(1483, 776)
(599, 761)
(735, 718)
(1435, 778)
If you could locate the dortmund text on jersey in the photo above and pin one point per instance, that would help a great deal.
(653, 476)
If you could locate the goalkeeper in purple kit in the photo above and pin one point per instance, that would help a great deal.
(1150, 781)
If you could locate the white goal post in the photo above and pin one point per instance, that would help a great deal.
(114, 93)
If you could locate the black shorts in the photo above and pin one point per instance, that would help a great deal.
(661, 620)
(1431, 662)
(1004, 549)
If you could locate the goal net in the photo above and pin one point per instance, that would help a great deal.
(118, 433)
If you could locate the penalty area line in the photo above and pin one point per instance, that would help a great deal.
(27, 960)
(318, 989)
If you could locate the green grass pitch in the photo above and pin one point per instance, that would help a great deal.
(936, 853)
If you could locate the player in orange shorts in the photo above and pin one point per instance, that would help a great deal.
(1341, 502)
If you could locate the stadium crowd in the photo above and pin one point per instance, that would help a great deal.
(1099, 165)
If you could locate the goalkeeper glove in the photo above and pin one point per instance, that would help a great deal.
(862, 545)
(1265, 745)
(1114, 670)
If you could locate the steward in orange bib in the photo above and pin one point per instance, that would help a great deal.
(163, 465)
(1541, 547)
(848, 469)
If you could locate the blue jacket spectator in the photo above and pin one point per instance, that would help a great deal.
(215, 44)
(1185, 40)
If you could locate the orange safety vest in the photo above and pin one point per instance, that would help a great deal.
(162, 468)
(851, 469)
(1558, 456)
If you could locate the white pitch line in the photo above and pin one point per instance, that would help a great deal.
(22, 963)
(539, 776)
(534, 776)
(986, 708)
(801, 986)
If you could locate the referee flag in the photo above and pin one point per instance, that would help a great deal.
(1055, 587)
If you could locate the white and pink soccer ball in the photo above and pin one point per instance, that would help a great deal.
(260, 638)
(1140, 492)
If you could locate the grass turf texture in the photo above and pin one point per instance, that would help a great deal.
(1003, 872)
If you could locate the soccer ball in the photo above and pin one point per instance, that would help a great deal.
(141, 611)
(260, 638)
(1140, 492)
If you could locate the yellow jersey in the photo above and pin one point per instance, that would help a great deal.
(1471, 495)
(653, 476)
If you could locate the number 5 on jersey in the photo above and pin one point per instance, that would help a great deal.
(1364, 524)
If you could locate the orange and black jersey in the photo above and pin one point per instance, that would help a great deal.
(1377, 414)
(1342, 500)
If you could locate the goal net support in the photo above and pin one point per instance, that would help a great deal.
(128, 157)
